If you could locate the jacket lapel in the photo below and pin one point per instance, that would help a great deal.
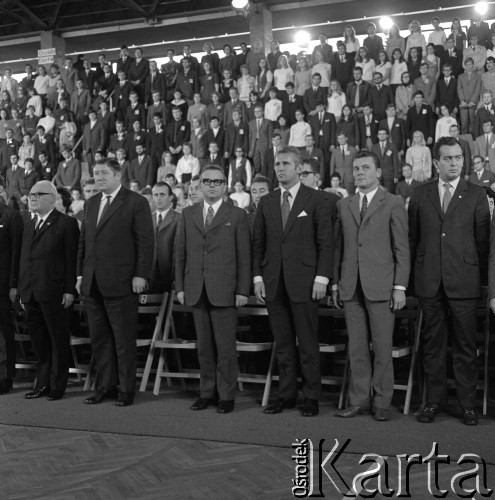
(301, 198)
(275, 210)
(222, 213)
(114, 206)
(435, 198)
(375, 203)
(354, 207)
(46, 225)
(457, 196)
(197, 216)
(169, 218)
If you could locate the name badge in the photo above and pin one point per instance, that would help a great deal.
(136, 111)
(191, 81)
(397, 125)
(210, 78)
(347, 153)
(389, 153)
(321, 132)
(138, 138)
(183, 128)
(425, 111)
(241, 132)
(120, 96)
(219, 107)
(48, 170)
(62, 117)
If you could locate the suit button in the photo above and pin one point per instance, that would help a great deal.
(443, 235)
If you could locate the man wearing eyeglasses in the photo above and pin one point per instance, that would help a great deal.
(449, 227)
(480, 175)
(47, 280)
(212, 274)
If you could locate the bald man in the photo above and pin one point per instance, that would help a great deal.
(47, 280)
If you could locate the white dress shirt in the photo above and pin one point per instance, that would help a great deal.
(163, 214)
(42, 220)
(442, 188)
(215, 207)
(103, 201)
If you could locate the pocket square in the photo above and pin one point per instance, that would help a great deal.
(302, 214)
(228, 224)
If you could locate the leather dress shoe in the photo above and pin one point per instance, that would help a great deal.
(202, 404)
(225, 406)
(100, 396)
(428, 413)
(469, 416)
(5, 385)
(280, 405)
(382, 414)
(55, 395)
(38, 393)
(125, 399)
(352, 411)
(310, 408)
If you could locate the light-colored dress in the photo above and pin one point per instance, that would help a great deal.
(419, 157)
(302, 81)
(403, 98)
(335, 104)
(281, 76)
(397, 69)
(245, 85)
(368, 69)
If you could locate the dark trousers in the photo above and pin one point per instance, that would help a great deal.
(216, 332)
(7, 339)
(363, 317)
(434, 340)
(48, 326)
(113, 323)
(290, 320)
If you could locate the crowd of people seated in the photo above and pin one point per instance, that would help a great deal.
(175, 135)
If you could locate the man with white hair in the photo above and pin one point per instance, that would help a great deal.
(47, 280)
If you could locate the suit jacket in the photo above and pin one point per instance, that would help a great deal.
(404, 189)
(481, 150)
(219, 139)
(343, 165)
(265, 140)
(483, 114)
(439, 255)
(11, 229)
(311, 97)
(158, 84)
(125, 65)
(236, 137)
(139, 71)
(94, 139)
(120, 97)
(482, 31)
(268, 168)
(364, 93)
(183, 133)
(48, 147)
(374, 46)
(48, 259)
(301, 251)
(229, 107)
(423, 121)
(217, 260)
(342, 71)
(163, 257)
(198, 143)
(324, 132)
(68, 174)
(132, 139)
(396, 134)
(156, 145)
(47, 172)
(380, 98)
(455, 60)
(6, 150)
(389, 161)
(80, 103)
(374, 125)
(486, 180)
(10, 179)
(188, 85)
(127, 223)
(466, 152)
(89, 79)
(144, 173)
(289, 108)
(447, 94)
(23, 183)
(374, 249)
(131, 115)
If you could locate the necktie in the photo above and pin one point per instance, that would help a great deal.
(364, 207)
(383, 148)
(356, 98)
(341, 58)
(209, 217)
(446, 197)
(285, 208)
(38, 223)
(175, 132)
(343, 152)
(105, 209)
(321, 118)
(487, 145)
(160, 218)
(258, 129)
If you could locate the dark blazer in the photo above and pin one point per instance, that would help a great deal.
(131, 115)
(125, 65)
(7, 150)
(48, 259)
(466, 152)
(10, 179)
(311, 97)
(163, 257)
(374, 125)
(183, 133)
(144, 173)
(482, 31)
(236, 137)
(342, 71)
(11, 229)
(48, 147)
(447, 94)
(374, 249)
(94, 139)
(483, 114)
(380, 99)
(404, 189)
(48, 171)
(219, 139)
(324, 132)
(396, 135)
(89, 79)
(23, 183)
(423, 121)
(158, 84)
(188, 85)
(374, 45)
(132, 139)
(229, 107)
(218, 260)
(289, 108)
(266, 132)
(364, 94)
(120, 98)
(301, 251)
(439, 254)
(455, 60)
(156, 145)
(486, 180)
(127, 224)
(139, 71)
(268, 168)
(389, 161)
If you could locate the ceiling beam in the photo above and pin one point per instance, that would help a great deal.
(55, 14)
(133, 5)
(32, 17)
(153, 7)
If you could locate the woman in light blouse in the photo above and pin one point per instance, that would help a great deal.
(299, 131)
(384, 67)
(419, 156)
(415, 39)
(399, 66)
(364, 61)
(395, 41)
(282, 75)
(302, 77)
(351, 42)
(335, 100)
(323, 68)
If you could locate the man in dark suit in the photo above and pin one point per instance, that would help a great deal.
(260, 137)
(342, 66)
(448, 270)
(452, 56)
(88, 76)
(120, 95)
(373, 42)
(292, 266)
(47, 279)
(24, 182)
(165, 221)
(187, 81)
(8, 147)
(236, 136)
(109, 280)
(395, 127)
(43, 142)
(156, 141)
(371, 274)
(406, 187)
(481, 31)
(317, 154)
(141, 169)
(291, 104)
(480, 175)
(234, 103)
(11, 228)
(46, 169)
(11, 174)
(135, 111)
(388, 159)
(368, 127)
(270, 156)
(212, 273)
(155, 82)
(178, 132)
(323, 129)
(313, 95)
(342, 162)
(215, 133)
(420, 117)
(381, 96)
(125, 60)
(138, 72)
(447, 91)
(94, 139)
(358, 93)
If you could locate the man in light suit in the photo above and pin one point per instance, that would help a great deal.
(484, 145)
(234, 103)
(314, 94)
(292, 266)
(342, 161)
(47, 288)
(389, 161)
(449, 224)
(165, 221)
(212, 273)
(260, 138)
(110, 280)
(480, 175)
(372, 231)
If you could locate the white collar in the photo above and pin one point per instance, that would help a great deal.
(293, 190)
(112, 195)
(453, 184)
(215, 206)
(369, 196)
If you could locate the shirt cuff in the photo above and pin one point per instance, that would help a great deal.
(258, 279)
(398, 287)
(79, 277)
(335, 288)
(322, 280)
